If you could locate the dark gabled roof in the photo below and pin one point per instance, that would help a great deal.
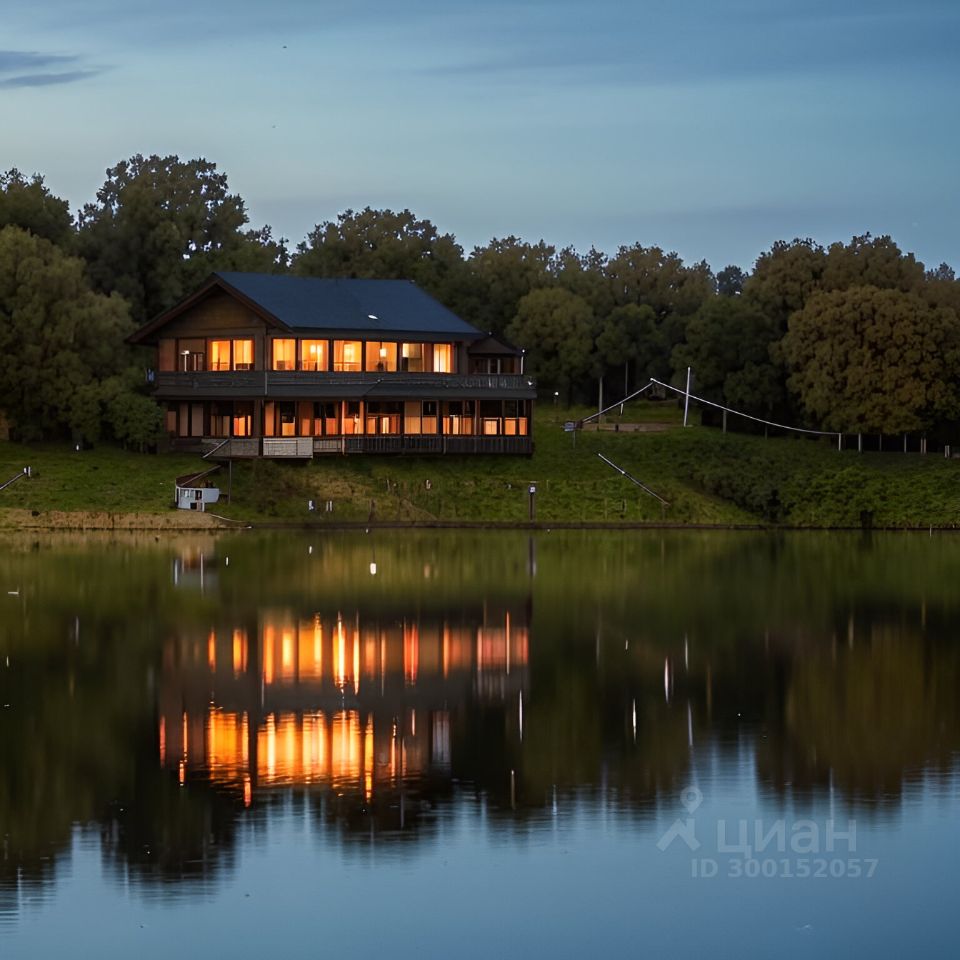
(493, 346)
(344, 306)
(315, 303)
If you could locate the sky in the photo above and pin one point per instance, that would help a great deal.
(708, 127)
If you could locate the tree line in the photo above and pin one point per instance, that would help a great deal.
(857, 336)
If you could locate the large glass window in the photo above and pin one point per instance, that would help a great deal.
(285, 354)
(346, 355)
(220, 419)
(313, 355)
(242, 419)
(381, 356)
(458, 417)
(428, 421)
(443, 358)
(383, 417)
(411, 416)
(351, 417)
(219, 354)
(230, 355)
(242, 354)
(514, 418)
(286, 419)
(411, 357)
(191, 355)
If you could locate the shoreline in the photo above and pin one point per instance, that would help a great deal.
(81, 521)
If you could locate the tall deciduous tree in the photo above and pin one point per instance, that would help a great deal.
(500, 275)
(869, 261)
(28, 204)
(627, 340)
(727, 343)
(730, 281)
(556, 329)
(159, 226)
(784, 277)
(382, 245)
(59, 341)
(872, 360)
(646, 276)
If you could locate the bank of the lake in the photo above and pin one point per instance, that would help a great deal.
(707, 477)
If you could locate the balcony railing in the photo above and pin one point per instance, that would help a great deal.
(306, 447)
(305, 383)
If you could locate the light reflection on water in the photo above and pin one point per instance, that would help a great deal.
(480, 749)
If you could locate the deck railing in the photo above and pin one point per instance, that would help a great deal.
(242, 448)
(303, 383)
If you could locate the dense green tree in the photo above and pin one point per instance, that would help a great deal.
(628, 346)
(727, 344)
(874, 360)
(942, 272)
(159, 226)
(500, 275)
(556, 329)
(585, 275)
(869, 261)
(941, 288)
(382, 245)
(647, 275)
(59, 341)
(784, 277)
(730, 281)
(28, 204)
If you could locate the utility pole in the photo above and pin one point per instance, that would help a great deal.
(686, 399)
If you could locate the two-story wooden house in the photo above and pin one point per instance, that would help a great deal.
(265, 365)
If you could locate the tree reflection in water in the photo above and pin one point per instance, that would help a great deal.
(167, 697)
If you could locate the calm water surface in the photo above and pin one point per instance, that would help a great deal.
(479, 745)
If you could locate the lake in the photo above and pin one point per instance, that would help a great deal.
(471, 744)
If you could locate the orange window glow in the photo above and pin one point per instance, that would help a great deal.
(313, 354)
(285, 354)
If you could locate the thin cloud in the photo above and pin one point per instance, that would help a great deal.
(653, 48)
(32, 69)
(46, 79)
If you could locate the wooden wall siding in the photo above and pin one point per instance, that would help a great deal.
(218, 316)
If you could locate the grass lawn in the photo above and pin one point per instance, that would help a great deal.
(707, 477)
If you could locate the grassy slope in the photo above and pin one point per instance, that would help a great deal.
(707, 476)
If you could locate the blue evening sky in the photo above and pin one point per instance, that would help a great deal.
(709, 127)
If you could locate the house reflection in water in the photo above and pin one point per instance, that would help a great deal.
(342, 701)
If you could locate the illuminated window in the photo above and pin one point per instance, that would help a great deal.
(346, 355)
(429, 420)
(242, 419)
(458, 417)
(411, 416)
(313, 354)
(284, 354)
(443, 358)
(231, 355)
(381, 356)
(411, 357)
(219, 354)
(242, 354)
(383, 417)
(286, 419)
(351, 417)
